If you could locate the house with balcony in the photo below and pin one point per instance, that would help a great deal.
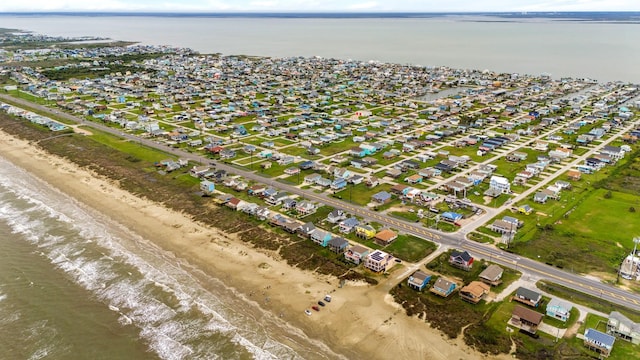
(321, 237)
(443, 287)
(461, 259)
(525, 319)
(348, 225)
(474, 291)
(527, 297)
(419, 280)
(492, 275)
(500, 184)
(356, 254)
(599, 342)
(559, 309)
(338, 244)
(378, 261)
(622, 327)
(365, 231)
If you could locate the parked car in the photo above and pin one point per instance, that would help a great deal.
(307, 312)
(327, 298)
(315, 308)
(321, 303)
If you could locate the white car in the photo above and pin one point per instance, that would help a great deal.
(308, 312)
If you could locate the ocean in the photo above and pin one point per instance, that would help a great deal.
(76, 285)
(581, 48)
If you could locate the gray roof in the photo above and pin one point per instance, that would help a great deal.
(624, 321)
(600, 337)
(558, 302)
(492, 272)
(528, 294)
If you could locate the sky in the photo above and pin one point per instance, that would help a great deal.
(319, 5)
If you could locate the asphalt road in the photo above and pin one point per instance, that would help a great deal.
(528, 267)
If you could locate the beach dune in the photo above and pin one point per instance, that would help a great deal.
(361, 322)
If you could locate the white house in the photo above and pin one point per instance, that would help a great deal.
(500, 183)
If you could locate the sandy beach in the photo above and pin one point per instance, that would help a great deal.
(360, 322)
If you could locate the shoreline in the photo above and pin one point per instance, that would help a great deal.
(360, 322)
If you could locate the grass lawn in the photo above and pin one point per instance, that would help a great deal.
(592, 302)
(410, 248)
(622, 350)
(136, 150)
(557, 233)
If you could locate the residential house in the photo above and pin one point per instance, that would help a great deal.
(207, 187)
(306, 230)
(419, 280)
(256, 190)
(233, 203)
(525, 319)
(291, 226)
(385, 236)
(321, 237)
(378, 261)
(304, 208)
(365, 231)
(336, 216)
(381, 197)
(503, 227)
(540, 197)
(372, 181)
(492, 275)
(527, 297)
(559, 309)
(474, 291)
(338, 184)
(443, 287)
(500, 183)
(348, 225)
(356, 254)
(311, 179)
(599, 342)
(461, 260)
(622, 327)
(338, 244)
(451, 217)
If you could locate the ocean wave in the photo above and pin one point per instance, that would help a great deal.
(150, 289)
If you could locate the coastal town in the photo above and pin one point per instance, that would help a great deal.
(454, 190)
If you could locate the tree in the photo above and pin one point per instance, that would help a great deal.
(632, 209)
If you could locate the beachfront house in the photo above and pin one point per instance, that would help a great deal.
(599, 342)
(321, 237)
(474, 291)
(378, 261)
(525, 319)
(443, 287)
(419, 280)
(207, 187)
(356, 254)
(338, 244)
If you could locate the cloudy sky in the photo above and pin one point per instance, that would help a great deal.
(321, 5)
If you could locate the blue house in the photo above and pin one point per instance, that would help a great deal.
(443, 287)
(419, 280)
(451, 216)
(321, 237)
(207, 187)
(338, 184)
(381, 198)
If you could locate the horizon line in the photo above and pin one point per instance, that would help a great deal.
(524, 12)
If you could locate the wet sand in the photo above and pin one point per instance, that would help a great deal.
(361, 322)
